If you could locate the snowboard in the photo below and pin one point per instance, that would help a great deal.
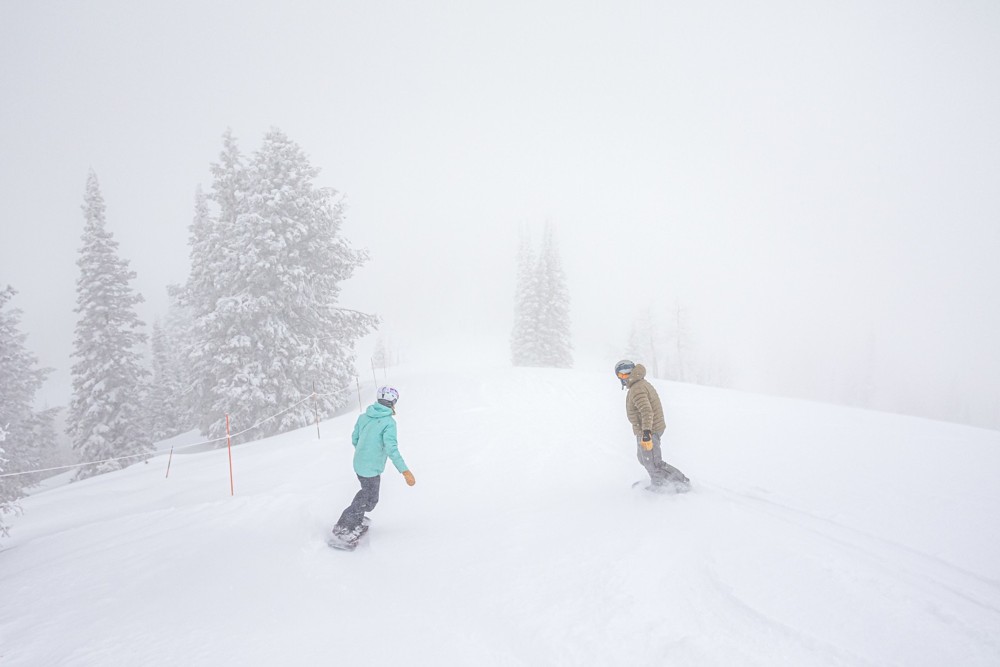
(669, 488)
(675, 482)
(349, 542)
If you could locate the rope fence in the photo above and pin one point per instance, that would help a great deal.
(227, 437)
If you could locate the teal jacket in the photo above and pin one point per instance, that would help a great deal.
(374, 440)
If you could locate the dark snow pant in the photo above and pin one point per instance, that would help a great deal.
(364, 501)
(652, 461)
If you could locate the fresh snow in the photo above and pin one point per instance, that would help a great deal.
(814, 535)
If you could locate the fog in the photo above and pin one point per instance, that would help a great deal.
(816, 185)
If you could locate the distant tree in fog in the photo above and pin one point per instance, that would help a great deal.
(542, 327)
(383, 355)
(666, 346)
(46, 439)
(523, 343)
(167, 410)
(680, 365)
(643, 342)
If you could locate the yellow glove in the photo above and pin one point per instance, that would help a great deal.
(647, 441)
(408, 476)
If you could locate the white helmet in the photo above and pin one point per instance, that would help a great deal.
(387, 396)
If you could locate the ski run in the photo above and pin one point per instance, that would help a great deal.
(813, 535)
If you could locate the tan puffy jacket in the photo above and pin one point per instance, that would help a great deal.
(642, 404)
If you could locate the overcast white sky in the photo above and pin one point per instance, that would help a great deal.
(818, 183)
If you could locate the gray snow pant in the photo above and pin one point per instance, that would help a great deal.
(652, 461)
(364, 501)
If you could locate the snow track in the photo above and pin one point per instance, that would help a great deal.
(523, 542)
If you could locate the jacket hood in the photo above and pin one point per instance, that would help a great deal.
(638, 373)
(377, 410)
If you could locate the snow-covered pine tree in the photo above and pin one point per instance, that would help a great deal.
(166, 399)
(554, 339)
(523, 338)
(8, 495)
(178, 326)
(19, 380)
(158, 395)
(46, 440)
(214, 274)
(105, 419)
(276, 325)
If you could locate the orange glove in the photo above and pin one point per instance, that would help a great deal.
(647, 441)
(408, 476)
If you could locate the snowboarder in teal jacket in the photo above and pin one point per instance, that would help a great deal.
(374, 440)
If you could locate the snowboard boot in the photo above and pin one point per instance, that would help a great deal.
(671, 484)
(346, 539)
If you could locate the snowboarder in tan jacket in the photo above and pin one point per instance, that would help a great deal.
(645, 413)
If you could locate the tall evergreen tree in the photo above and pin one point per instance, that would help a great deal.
(166, 399)
(554, 326)
(19, 380)
(542, 335)
(178, 328)
(8, 493)
(271, 327)
(523, 339)
(46, 440)
(214, 275)
(105, 419)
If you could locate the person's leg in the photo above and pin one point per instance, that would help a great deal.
(664, 471)
(370, 488)
(365, 500)
(649, 458)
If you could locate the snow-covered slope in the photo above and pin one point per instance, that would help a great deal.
(815, 535)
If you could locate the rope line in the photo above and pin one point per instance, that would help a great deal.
(193, 444)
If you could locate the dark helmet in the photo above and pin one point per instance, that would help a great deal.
(623, 369)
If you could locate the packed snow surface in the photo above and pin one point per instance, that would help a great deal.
(814, 535)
